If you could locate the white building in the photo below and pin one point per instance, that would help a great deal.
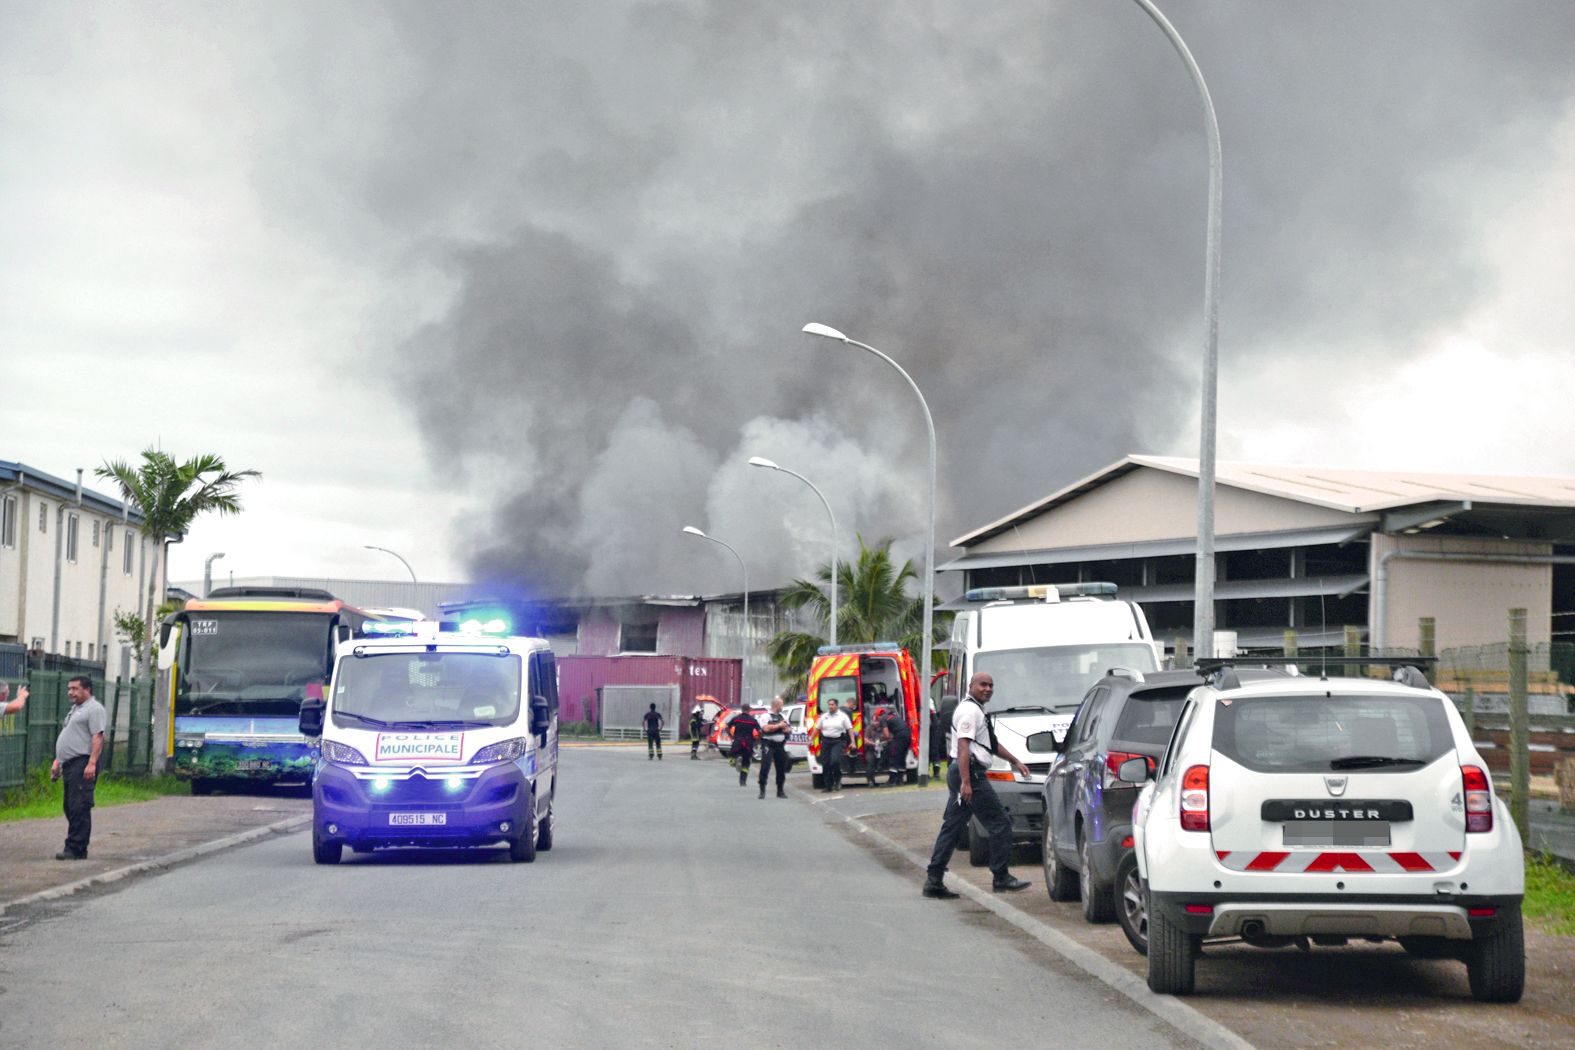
(69, 558)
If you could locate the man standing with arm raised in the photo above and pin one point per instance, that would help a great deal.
(972, 748)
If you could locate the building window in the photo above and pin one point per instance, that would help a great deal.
(90, 650)
(125, 555)
(71, 537)
(43, 517)
(79, 650)
(8, 522)
(95, 532)
(637, 638)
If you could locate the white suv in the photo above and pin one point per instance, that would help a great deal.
(1301, 810)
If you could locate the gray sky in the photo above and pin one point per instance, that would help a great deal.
(515, 289)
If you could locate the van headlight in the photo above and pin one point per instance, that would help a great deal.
(502, 751)
(344, 754)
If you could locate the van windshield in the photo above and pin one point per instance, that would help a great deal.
(1056, 676)
(443, 688)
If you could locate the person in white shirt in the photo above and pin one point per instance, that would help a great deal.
(835, 729)
(973, 748)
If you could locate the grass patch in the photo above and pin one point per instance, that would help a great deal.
(41, 797)
(1550, 896)
(578, 730)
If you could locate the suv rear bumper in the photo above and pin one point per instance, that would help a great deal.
(1229, 915)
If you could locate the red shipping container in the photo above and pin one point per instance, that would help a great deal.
(579, 677)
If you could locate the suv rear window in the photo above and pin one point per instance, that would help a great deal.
(1307, 734)
(1149, 717)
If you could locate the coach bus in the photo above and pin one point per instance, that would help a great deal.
(241, 661)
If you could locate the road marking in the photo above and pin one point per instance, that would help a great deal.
(1185, 1019)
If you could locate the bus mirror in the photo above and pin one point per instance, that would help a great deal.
(169, 643)
(539, 716)
(311, 720)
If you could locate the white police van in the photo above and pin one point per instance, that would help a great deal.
(436, 735)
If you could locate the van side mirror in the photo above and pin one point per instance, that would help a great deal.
(539, 715)
(313, 711)
(1133, 771)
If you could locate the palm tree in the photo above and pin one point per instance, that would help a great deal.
(874, 606)
(170, 496)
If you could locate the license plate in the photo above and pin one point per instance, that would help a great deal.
(417, 818)
(1373, 833)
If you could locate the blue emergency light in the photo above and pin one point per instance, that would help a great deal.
(389, 628)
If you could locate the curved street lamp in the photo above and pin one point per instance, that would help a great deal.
(691, 530)
(927, 643)
(1203, 594)
(761, 461)
(402, 561)
(207, 572)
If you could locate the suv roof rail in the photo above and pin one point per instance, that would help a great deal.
(1406, 668)
(1126, 672)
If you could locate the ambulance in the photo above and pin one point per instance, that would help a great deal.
(436, 735)
(862, 679)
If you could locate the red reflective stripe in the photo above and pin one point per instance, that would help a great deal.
(1266, 861)
(1339, 862)
(1454, 856)
(1412, 861)
(1223, 853)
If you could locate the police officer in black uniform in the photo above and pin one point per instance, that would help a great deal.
(773, 747)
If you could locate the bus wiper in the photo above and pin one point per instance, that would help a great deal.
(363, 718)
(1371, 761)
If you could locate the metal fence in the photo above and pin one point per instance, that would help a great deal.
(27, 739)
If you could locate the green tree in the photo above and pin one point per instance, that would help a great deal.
(170, 496)
(874, 606)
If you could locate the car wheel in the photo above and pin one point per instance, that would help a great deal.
(1099, 902)
(326, 852)
(978, 844)
(1060, 883)
(544, 830)
(1496, 963)
(523, 849)
(1132, 904)
(1172, 955)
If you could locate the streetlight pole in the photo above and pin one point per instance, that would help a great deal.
(1203, 594)
(402, 561)
(207, 573)
(691, 530)
(927, 643)
(761, 461)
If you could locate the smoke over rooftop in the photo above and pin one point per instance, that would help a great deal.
(627, 213)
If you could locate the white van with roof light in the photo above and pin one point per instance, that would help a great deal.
(1044, 645)
(436, 735)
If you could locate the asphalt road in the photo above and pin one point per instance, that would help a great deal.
(676, 910)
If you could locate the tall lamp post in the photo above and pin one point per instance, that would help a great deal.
(927, 643)
(761, 461)
(402, 561)
(1203, 593)
(207, 573)
(691, 530)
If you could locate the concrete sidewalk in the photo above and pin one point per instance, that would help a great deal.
(134, 836)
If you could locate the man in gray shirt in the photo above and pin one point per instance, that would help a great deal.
(77, 749)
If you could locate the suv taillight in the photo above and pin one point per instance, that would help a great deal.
(1195, 799)
(1479, 799)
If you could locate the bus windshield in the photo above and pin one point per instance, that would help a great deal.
(252, 663)
(404, 689)
(1056, 676)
